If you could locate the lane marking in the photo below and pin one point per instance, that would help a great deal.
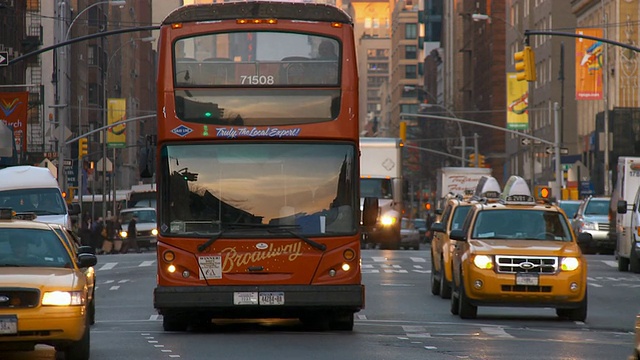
(379, 258)
(115, 287)
(417, 259)
(108, 266)
(496, 331)
(611, 263)
(147, 263)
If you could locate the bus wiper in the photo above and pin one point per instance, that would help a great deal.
(321, 247)
(214, 237)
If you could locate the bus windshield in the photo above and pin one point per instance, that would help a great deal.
(307, 188)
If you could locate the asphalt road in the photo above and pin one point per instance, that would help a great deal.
(402, 320)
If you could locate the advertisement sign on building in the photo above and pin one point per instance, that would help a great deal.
(517, 103)
(589, 62)
(117, 111)
(13, 113)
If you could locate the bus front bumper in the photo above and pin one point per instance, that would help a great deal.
(263, 301)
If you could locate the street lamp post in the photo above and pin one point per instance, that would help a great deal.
(62, 70)
(462, 138)
(104, 132)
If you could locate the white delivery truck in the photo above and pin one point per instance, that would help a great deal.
(34, 189)
(457, 181)
(625, 199)
(381, 177)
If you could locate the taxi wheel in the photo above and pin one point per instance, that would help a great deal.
(455, 305)
(465, 309)
(435, 283)
(77, 350)
(92, 311)
(445, 286)
(577, 314)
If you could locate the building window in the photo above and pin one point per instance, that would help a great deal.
(409, 108)
(410, 52)
(411, 72)
(367, 23)
(93, 94)
(410, 31)
(91, 55)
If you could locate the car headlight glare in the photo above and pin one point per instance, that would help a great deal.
(569, 264)
(387, 220)
(483, 262)
(154, 232)
(62, 298)
(588, 225)
(123, 234)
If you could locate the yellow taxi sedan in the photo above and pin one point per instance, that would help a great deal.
(43, 289)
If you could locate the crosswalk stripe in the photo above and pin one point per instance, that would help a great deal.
(147, 263)
(108, 266)
(418, 259)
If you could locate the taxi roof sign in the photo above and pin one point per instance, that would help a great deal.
(487, 187)
(6, 213)
(516, 191)
(9, 214)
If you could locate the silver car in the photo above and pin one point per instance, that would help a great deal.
(593, 217)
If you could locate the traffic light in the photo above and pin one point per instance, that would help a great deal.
(542, 192)
(525, 64)
(83, 147)
(403, 131)
(472, 160)
(481, 162)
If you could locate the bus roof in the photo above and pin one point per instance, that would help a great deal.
(21, 177)
(258, 10)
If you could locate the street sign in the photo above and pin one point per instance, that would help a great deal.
(550, 150)
(67, 162)
(4, 58)
(527, 142)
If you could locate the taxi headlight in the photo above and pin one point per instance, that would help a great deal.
(483, 262)
(569, 264)
(588, 225)
(63, 298)
(123, 234)
(387, 220)
(154, 232)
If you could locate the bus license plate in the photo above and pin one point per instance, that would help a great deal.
(245, 298)
(272, 298)
(9, 324)
(529, 279)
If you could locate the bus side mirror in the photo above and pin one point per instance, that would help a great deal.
(369, 211)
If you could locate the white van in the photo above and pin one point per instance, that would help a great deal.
(33, 189)
(625, 200)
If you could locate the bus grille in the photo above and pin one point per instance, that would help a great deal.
(526, 264)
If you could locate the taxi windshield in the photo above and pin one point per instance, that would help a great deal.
(522, 225)
(32, 248)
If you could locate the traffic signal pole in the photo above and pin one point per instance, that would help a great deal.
(555, 143)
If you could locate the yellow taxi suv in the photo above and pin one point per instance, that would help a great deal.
(43, 289)
(518, 252)
(453, 215)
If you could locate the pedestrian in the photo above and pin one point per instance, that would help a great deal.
(97, 237)
(113, 232)
(131, 241)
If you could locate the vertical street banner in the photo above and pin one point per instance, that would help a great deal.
(589, 62)
(13, 113)
(517, 103)
(116, 111)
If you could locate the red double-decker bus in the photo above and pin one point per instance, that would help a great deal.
(258, 204)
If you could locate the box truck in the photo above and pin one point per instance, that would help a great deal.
(457, 180)
(381, 178)
(625, 200)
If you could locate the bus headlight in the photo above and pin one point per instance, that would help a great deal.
(483, 262)
(569, 264)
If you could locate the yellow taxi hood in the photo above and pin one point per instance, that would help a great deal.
(41, 277)
(524, 247)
